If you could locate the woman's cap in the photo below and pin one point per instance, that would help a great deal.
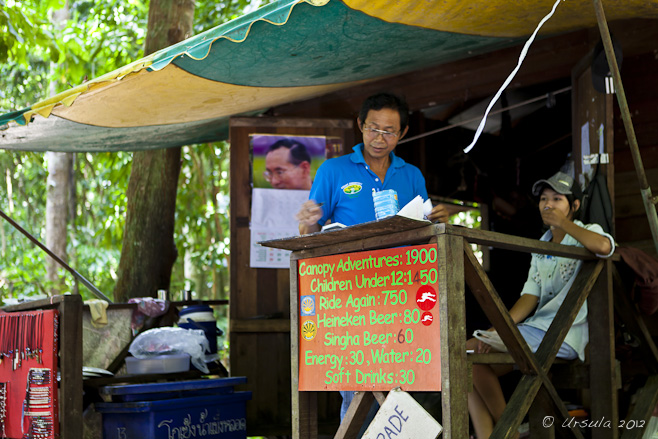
(560, 183)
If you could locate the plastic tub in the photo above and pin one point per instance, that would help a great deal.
(170, 390)
(209, 417)
(158, 364)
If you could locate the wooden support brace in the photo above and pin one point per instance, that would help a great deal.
(497, 313)
(380, 397)
(646, 402)
(356, 414)
(527, 389)
(542, 417)
(495, 310)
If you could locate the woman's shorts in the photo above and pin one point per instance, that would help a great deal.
(533, 336)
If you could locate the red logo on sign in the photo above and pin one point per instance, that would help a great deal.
(427, 318)
(426, 297)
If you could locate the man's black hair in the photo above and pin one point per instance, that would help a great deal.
(386, 100)
(298, 151)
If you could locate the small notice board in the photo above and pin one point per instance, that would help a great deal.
(370, 321)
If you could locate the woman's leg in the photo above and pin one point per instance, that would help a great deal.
(486, 402)
(487, 386)
(480, 416)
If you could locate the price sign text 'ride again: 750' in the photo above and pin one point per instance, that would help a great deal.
(369, 320)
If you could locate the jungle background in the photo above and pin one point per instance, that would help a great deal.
(47, 47)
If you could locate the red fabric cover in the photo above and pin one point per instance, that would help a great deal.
(646, 271)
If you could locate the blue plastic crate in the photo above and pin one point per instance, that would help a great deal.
(210, 416)
(170, 390)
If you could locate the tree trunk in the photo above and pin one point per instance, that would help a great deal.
(148, 252)
(58, 184)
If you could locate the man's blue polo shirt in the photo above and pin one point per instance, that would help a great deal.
(344, 184)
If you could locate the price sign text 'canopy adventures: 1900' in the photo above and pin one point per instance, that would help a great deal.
(370, 320)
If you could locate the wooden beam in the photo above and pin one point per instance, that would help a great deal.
(395, 231)
(647, 399)
(454, 368)
(355, 416)
(541, 408)
(603, 371)
(380, 397)
(497, 313)
(70, 352)
(260, 325)
(517, 243)
(566, 315)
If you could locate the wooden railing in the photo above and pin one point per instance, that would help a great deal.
(457, 268)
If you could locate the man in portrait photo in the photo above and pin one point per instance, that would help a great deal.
(288, 165)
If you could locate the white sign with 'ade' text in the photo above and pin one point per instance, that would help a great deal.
(401, 417)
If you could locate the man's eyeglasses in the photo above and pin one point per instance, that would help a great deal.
(278, 173)
(374, 132)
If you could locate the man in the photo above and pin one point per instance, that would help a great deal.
(344, 185)
(288, 165)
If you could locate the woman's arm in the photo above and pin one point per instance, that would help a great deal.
(523, 307)
(592, 241)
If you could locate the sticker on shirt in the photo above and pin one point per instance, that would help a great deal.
(352, 188)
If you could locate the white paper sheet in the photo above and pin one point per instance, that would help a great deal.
(272, 217)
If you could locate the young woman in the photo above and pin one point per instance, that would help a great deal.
(549, 281)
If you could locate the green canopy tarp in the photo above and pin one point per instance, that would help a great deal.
(286, 51)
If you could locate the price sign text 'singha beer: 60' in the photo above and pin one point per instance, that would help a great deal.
(370, 320)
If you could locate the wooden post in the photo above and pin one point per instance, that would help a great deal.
(304, 404)
(70, 355)
(541, 408)
(454, 370)
(603, 380)
(355, 415)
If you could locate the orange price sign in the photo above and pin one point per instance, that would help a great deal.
(370, 320)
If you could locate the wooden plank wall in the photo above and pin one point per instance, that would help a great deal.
(639, 75)
(260, 298)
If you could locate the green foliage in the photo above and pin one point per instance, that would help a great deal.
(97, 231)
(38, 58)
(100, 37)
(27, 47)
(202, 221)
(23, 27)
(209, 14)
(23, 200)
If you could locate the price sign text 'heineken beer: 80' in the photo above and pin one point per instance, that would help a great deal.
(370, 320)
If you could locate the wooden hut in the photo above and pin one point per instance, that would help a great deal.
(304, 67)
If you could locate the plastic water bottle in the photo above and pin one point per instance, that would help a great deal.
(386, 203)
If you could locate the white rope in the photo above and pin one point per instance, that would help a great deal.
(524, 52)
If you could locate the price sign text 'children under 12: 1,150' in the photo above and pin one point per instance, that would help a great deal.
(370, 320)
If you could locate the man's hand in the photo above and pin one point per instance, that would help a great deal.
(308, 217)
(439, 214)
